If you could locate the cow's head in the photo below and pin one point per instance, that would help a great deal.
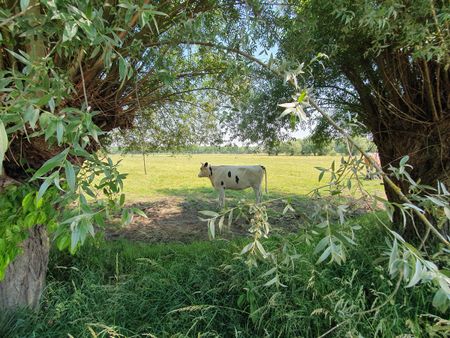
(204, 170)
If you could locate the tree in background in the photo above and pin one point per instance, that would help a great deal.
(256, 118)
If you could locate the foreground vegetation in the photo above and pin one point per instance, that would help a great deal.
(205, 289)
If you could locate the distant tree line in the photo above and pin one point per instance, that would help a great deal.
(295, 147)
(308, 147)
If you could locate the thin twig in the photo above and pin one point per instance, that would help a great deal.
(84, 88)
(12, 18)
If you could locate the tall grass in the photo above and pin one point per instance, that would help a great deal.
(205, 289)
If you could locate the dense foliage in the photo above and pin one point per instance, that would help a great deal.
(19, 211)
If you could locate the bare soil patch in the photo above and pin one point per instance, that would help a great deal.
(174, 219)
(170, 219)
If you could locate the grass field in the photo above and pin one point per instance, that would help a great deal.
(177, 175)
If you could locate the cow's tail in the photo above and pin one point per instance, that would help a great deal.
(265, 176)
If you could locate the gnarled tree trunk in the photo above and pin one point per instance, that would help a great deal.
(415, 123)
(429, 156)
(406, 106)
(24, 280)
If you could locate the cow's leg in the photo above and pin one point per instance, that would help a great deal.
(221, 197)
(258, 194)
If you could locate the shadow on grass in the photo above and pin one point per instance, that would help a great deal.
(231, 196)
(176, 217)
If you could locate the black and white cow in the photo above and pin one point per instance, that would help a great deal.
(234, 177)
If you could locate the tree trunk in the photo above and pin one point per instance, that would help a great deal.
(25, 277)
(428, 148)
(406, 106)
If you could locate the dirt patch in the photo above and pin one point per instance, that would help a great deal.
(170, 219)
(174, 219)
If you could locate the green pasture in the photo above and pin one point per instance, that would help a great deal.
(176, 175)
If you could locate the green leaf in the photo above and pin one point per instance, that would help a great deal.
(248, 247)
(56, 182)
(211, 229)
(393, 257)
(62, 242)
(44, 187)
(99, 220)
(404, 160)
(70, 30)
(27, 201)
(261, 248)
(269, 272)
(230, 218)
(122, 68)
(324, 255)
(31, 116)
(30, 219)
(209, 213)
(321, 175)
(70, 175)
(51, 104)
(19, 57)
(447, 212)
(440, 300)
(417, 275)
(50, 164)
(127, 216)
(301, 96)
(74, 237)
(139, 211)
(59, 132)
(221, 222)
(322, 244)
(412, 206)
(272, 281)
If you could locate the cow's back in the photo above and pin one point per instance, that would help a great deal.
(237, 177)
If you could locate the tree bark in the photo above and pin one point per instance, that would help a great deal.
(24, 280)
(428, 148)
(404, 109)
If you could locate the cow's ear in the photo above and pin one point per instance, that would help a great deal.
(206, 164)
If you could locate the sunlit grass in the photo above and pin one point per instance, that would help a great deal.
(177, 175)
